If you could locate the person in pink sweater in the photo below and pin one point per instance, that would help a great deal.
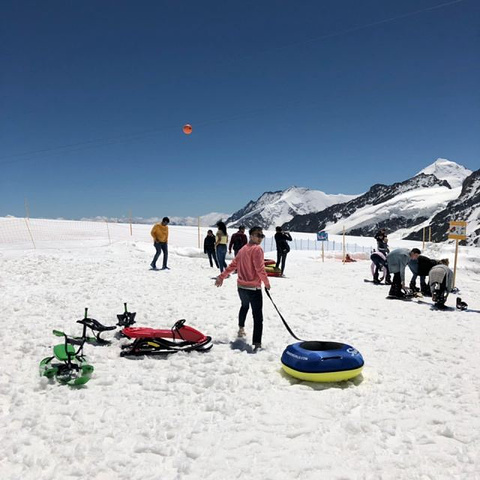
(250, 267)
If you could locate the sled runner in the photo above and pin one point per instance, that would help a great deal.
(127, 318)
(68, 365)
(149, 341)
(403, 299)
(96, 328)
(408, 294)
(366, 280)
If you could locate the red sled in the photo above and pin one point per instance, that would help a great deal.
(151, 341)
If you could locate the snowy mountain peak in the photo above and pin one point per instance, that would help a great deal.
(276, 208)
(447, 170)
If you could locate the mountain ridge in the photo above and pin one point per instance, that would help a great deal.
(275, 208)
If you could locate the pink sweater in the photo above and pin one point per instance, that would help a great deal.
(250, 266)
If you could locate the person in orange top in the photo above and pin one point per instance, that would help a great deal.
(160, 242)
(250, 266)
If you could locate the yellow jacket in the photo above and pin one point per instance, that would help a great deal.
(159, 233)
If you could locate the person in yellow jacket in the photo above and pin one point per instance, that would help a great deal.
(160, 242)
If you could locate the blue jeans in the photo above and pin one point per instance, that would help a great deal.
(160, 247)
(255, 299)
(221, 254)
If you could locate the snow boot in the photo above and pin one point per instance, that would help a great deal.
(396, 292)
(461, 305)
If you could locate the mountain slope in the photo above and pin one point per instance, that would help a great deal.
(465, 207)
(401, 205)
(276, 208)
(208, 220)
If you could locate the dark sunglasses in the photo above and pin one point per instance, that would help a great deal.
(259, 235)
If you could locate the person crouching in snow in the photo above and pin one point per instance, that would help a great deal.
(379, 263)
(441, 282)
(421, 268)
(397, 260)
(349, 259)
(250, 266)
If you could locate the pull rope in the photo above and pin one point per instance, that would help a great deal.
(283, 320)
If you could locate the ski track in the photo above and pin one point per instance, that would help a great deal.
(226, 414)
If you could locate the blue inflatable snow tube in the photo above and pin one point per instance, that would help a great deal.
(322, 361)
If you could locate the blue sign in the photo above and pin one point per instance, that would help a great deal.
(322, 236)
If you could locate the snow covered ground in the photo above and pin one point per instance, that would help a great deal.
(227, 414)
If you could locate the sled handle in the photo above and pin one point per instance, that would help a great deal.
(125, 305)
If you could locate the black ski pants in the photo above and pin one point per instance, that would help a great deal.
(255, 299)
(281, 259)
(396, 288)
(212, 256)
(424, 288)
(379, 264)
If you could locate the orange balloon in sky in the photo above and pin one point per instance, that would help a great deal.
(187, 129)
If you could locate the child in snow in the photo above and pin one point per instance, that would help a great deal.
(209, 248)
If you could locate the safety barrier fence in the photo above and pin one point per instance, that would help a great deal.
(311, 244)
(24, 233)
(39, 233)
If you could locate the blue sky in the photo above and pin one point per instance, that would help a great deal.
(334, 95)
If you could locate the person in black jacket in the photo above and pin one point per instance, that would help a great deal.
(238, 240)
(421, 268)
(281, 239)
(209, 248)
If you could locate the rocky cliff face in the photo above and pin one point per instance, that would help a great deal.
(439, 193)
(370, 204)
(465, 207)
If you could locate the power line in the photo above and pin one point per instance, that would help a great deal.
(353, 29)
(132, 136)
